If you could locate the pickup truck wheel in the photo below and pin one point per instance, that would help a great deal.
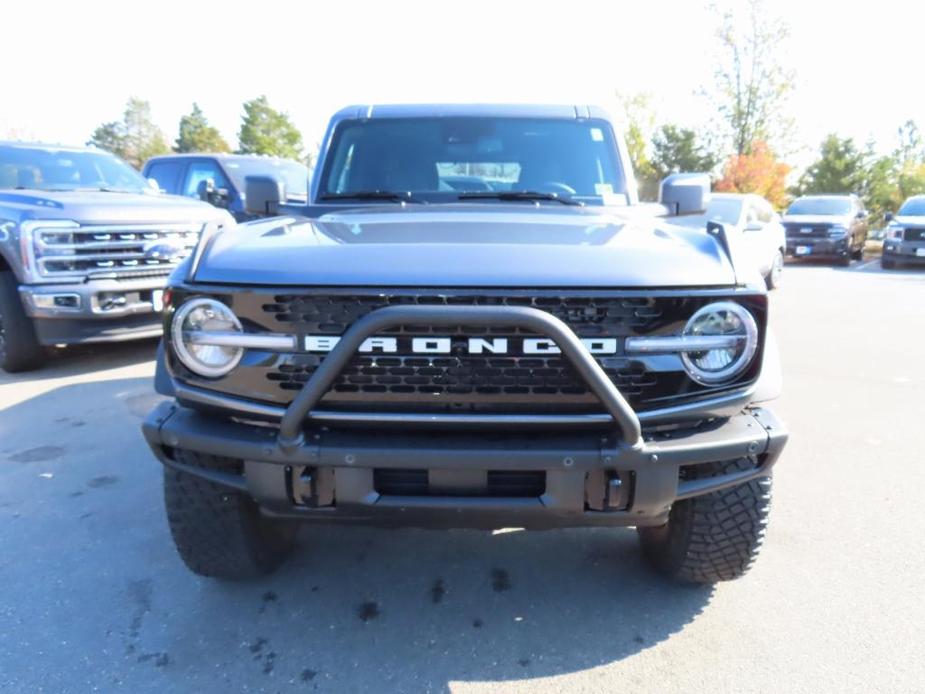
(714, 537)
(772, 279)
(219, 532)
(19, 349)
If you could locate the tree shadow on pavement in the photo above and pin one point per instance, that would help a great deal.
(355, 609)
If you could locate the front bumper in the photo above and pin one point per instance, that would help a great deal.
(818, 247)
(103, 310)
(905, 251)
(589, 480)
(624, 476)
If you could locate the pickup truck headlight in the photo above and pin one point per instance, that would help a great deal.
(838, 231)
(197, 327)
(723, 319)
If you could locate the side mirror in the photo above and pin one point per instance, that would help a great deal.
(685, 193)
(154, 185)
(262, 195)
(205, 190)
(888, 217)
(862, 214)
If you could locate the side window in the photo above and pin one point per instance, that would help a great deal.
(168, 174)
(201, 171)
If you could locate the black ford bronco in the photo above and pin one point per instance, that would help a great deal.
(473, 322)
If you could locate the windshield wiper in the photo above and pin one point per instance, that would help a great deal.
(520, 195)
(388, 195)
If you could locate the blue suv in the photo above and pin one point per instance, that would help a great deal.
(219, 178)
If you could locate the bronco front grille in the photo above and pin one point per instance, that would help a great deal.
(67, 250)
(460, 380)
(914, 234)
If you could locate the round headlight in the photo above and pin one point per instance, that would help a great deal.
(732, 355)
(200, 353)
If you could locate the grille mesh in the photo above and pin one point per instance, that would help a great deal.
(589, 317)
(914, 234)
(819, 231)
(460, 373)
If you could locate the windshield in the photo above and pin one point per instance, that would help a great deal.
(439, 158)
(41, 168)
(293, 174)
(822, 206)
(913, 207)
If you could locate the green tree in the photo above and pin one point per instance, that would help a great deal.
(264, 130)
(676, 149)
(751, 84)
(638, 119)
(196, 135)
(135, 138)
(840, 168)
(109, 136)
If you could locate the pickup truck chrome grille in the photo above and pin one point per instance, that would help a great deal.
(816, 231)
(72, 250)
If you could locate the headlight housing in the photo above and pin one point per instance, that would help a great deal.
(197, 322)
(723, 319)
(838, 231)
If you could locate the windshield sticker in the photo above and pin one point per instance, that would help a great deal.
(603, 189)
(597, 134)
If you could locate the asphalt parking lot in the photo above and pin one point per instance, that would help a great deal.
(93, 597)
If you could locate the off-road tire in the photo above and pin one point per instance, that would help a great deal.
(19, 348)
(219, 532)
(714, 537)
(887, 264)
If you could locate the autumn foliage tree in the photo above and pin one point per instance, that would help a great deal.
(757, 171)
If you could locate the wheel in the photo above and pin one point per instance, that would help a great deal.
(219, 532)
(772, 279)
(19, 349)
(858, 253)
(845, 261)
(887, 263)
(714, 537)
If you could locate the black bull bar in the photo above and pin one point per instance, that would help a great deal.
(532, 319)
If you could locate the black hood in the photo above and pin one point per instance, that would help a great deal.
(468, 245)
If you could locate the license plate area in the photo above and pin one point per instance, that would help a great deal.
(804, 250)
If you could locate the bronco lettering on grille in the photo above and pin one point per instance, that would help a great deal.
(448, 345)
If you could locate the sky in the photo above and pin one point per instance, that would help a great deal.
(71, 65)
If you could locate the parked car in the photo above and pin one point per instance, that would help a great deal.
(831, 227)
(549, 355)
(219, 179)
(85, 249)
(905, 235)
(762, 234)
